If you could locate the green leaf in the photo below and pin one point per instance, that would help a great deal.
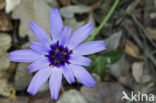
(112, 57)
(100, 68)
(109, 58)
(93, 63)
(98, 64)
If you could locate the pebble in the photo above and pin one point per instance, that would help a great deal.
(103, 93)
(22, 77)
(5, 43)
(4, 62)
(6, 89)
(18, 99)
(71, 96)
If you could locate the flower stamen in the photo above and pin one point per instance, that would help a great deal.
(58, 55)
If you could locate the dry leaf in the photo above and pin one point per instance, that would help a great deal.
(2, 4)
(32, 10)
(5, 22)
(131, 49)
(138, 74)
(137, 71)
(152, 33)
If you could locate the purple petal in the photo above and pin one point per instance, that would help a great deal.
(55, 82)
(39, 64)
(80, 35)
(38, 47)
(90, 47)
(79, 60)
(40, 34)
(39, 80)
(83, 76)
(68, 74)
(56, 25)
(25, 55)
(64, 39)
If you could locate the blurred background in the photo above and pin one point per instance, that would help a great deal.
(128, 64)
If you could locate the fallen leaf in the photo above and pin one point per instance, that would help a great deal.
(5, 22)
(131, 49)
(2, 4)
(32, 10)
(138, 73)
(152, 33)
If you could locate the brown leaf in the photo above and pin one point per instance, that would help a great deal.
(5, 22)
(64, 2)
(2, 4)
(131, 49)
(152, 33)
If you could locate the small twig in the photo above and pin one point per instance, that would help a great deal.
(134, 36)
(150, 56)
(132, 6)
(154, 52)
(144, 31)
(139, 42)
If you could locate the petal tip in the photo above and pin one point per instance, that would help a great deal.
(91, 84)
(91, 25)
(54, 11)
(31, 91)
(29, 69)
(54, 97)
(71, 81)
(31, 24)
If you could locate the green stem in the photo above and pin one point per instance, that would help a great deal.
(104, 21)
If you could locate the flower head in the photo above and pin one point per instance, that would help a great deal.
(60, 54)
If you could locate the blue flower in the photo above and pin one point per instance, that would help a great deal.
(60, 54)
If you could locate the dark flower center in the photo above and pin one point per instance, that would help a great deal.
(58, 55)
